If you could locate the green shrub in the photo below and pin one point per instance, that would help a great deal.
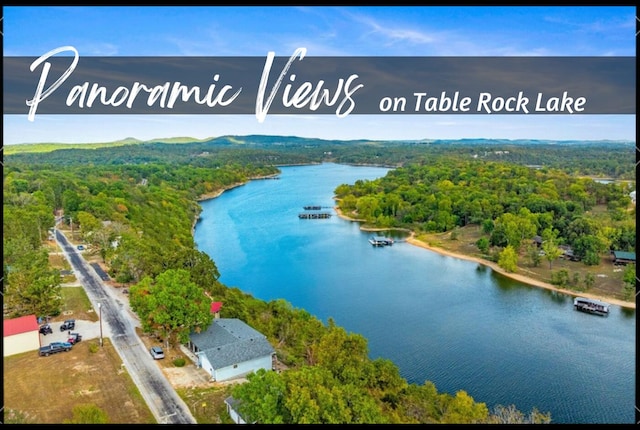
(179, 362)
(94, 347)
(87, 414)
(560, 278)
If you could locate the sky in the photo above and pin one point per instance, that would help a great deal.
(468, 31)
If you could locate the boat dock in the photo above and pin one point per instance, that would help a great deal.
(314, 215)
(313, 212)
(591, 306)
(380, 241)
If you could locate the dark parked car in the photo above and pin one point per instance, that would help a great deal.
(45, 329)
(54, 347)
(68, 325)
(74, 338)
(156, 352)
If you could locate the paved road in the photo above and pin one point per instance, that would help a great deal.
(164, 402)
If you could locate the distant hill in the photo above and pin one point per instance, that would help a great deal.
(53, 146)
(290, 141)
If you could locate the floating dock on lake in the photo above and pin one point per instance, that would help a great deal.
(314, 215)
(380, 241)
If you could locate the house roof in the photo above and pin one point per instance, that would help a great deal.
(229, 341)
(215, 307)
(20, 325)
(625, 255)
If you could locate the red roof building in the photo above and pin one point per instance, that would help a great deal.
(20, 335)
(215, 307)
(20, 325)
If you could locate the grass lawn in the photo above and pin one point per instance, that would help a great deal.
(45, 389)
(76, 305)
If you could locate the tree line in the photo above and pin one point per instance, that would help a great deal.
(513, 204)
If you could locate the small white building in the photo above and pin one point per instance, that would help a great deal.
(20, 335)
(231, 349)
(232, 405)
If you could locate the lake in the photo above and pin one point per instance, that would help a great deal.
(441, 319)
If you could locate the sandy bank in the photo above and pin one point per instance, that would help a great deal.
(520, 278)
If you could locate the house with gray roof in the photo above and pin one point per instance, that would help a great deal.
(231, 349)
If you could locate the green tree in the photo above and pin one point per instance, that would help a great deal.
(589, 280)
(483, 245)
(418, 404)
(487, 226)
(551, 251)
(203, 270)
(315, 397)
(508, 259)
(343, 354)
(533, 252)
(588, 247)
(32, 287)
(261, 399)
(516, 227)
(629, 278)
(560, 278)
(88, 224)
(462, 409)
(368, 208)
(171, 304)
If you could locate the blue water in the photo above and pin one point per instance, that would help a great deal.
(455, 323)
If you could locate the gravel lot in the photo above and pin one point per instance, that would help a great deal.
(87, 329)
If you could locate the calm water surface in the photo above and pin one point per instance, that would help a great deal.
(440, 319)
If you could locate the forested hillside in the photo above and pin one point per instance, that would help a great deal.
(135, 205)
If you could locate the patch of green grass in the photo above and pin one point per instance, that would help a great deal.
(207, 404)
(77, 301)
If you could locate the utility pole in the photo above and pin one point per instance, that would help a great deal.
(100, 309)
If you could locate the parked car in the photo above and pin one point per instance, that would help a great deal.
(61, 344)
(156, 352)
(54, 347)
(45, 329)
(80, 247)
(74, 338)
(68, 325)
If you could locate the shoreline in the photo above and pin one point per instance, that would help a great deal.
(493, 266)
(420, 244)
(218, 193)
